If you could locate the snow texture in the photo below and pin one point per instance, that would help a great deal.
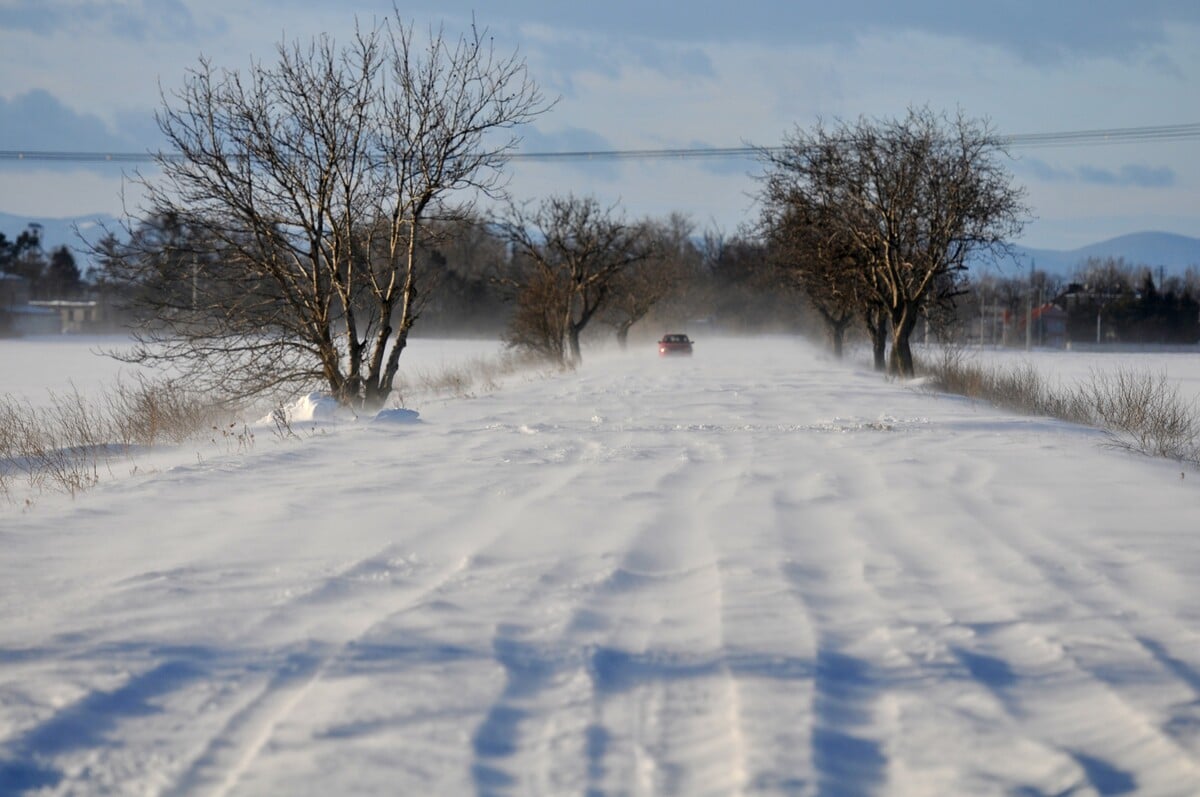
(755, 571)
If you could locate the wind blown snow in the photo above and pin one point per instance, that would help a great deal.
(751, 572)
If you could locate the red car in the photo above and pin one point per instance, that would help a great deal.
(675, 344)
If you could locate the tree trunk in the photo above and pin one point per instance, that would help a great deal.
(876, 322)
(835, 327)
(576, 356)
(837, 340)
(375, 401)
(879, 342)
(623, 336)
(837, 336)
(903, 323)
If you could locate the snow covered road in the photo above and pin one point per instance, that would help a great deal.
(750, 572)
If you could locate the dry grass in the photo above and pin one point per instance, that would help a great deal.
(66, 444)
(1145, 413)
(475, 376)
(1141, 411)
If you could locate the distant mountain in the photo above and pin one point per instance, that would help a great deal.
(58, 232)
(1174, 253)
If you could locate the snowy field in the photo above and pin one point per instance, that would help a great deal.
(35, 367)
(1066, 368)
(749, 572)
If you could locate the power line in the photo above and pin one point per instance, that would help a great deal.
(1120, 135)
(1075, 138)
(77, 157)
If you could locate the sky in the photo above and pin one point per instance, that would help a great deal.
(88, 75)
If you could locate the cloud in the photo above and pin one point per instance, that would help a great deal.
(690, 63)
(37, 120)
(31, 16)
(140, 20)
(1040, 31)
(56, 191)
(1039, 169)
(567, 139)
(1130, 175)
(562, 59)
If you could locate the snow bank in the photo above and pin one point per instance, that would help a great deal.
(397, 416)
(310, 407)
(324, 408)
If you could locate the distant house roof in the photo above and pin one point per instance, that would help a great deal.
(26, 309)
(65, 303)
(1048, 310)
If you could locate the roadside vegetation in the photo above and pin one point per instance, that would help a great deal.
(72, 442)
(1140, 410)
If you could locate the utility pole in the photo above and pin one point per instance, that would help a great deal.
(1029, 311)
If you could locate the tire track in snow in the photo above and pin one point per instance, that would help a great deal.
(666, 715)
(868, 697)
(233, 750)
(845, 738)
(1104, 663)
(587, 645)
(980, 567)
(768, 647)
(536, 736)
(956, 559)
(867, 594)
(845, 530)
(608, 641)
(1129, 749)
(552, 673)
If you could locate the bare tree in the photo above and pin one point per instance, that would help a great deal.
(740, 287)
(314, 177)
(1107, 275)
(914, 197)
(671, 255)
(536, 324)
(467, 254)
(571, 252)
(814, 257)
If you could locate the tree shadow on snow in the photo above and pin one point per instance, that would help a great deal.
(531, 668)
(845, 692)
(27, 763)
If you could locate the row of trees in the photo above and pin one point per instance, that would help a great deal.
(873, 221)
(320, 204)
(539, 275)
(49, 276)
(316, 203)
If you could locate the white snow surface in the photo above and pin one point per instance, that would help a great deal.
(754, 571)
